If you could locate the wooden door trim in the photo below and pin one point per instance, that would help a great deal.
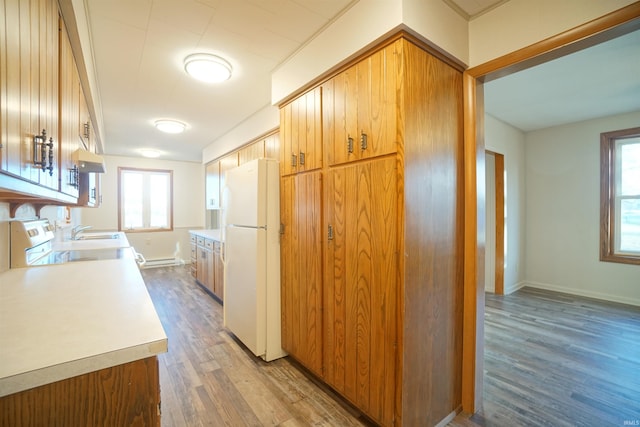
(499, 210)
(607, 27)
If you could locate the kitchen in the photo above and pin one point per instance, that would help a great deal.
(286, 80)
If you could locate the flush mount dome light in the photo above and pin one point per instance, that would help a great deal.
(170, 126)
(152, 154)
(207, 67)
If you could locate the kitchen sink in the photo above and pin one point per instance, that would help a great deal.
(98, 236)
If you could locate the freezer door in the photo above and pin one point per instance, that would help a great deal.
(244, 196)
(245, 286)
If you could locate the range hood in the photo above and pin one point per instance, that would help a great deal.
(88, 161)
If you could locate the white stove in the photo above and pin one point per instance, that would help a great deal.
(31, 245)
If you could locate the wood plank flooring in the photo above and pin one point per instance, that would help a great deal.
(550, 360)
(554, 359)
(208, 379)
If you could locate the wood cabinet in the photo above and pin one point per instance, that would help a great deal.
(300, 133)
(227, 162)
(206, 264)
(360, 106)
(391, 237)
(218, 271)
(122, 395)
(252, 151)
(69, 115)
(29, 81)
(301, 272)
(212, 185)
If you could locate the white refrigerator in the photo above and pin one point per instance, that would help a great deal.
(251, 256)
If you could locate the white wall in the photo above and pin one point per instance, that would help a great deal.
(188, 206)
(363, 25)
(510, 142)
(563, 213)
(520, 23)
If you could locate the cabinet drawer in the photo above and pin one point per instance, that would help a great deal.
(200, 240)
(216, 246)
(192, 238)
(208, 244)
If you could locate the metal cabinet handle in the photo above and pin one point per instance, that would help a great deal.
(363, 140)
(294, 160)
(302, 158)
(349, 144)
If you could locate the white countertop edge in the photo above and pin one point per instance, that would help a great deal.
(50, 374)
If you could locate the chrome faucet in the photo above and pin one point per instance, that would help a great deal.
(75, 231)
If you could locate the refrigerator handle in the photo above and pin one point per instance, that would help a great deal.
(222, 252)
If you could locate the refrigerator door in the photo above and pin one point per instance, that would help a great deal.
(245, 286)
(245, 195)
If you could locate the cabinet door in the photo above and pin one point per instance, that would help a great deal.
(301, 270)
(201, 265)
(69, 115)
(83, 130)
(227, 162)
(251, 152)
(212, 185)
(218, 272)
(360, 106)
(360, 294)
(301, 133)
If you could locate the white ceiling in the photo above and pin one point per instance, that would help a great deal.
(139, 47)
(603, 80)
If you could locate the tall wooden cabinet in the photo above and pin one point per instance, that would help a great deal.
(383, 213)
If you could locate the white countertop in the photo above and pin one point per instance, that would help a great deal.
(64, 320)
(208, 234)
(120, 242)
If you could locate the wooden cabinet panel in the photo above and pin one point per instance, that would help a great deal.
(218, 271)
(123, 395)
(227, 162)
(212, 185)
(251, 152)
(272, 146)
(360, 316)
(30, 78)
(69, 115)
(360, 108)
(301, 274)
(301, 133)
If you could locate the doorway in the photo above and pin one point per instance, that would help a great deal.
(605, 28)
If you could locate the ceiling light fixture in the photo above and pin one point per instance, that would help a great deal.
(152, 154)
(207, 67)
(170, 126)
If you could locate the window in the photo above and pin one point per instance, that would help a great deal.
(620, 196)
(145, 199)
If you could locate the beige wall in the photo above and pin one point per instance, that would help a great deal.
(520, 23)
(563, 213)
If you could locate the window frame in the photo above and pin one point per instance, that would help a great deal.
(608, 216)
(169, 172)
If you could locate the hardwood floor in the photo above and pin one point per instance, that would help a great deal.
(554, 359)
(208, 379)
(550, 360)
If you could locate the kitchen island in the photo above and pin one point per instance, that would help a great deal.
(78, 345)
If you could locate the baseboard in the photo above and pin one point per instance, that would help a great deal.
(446, 420)
(511, 289)
(584, 293)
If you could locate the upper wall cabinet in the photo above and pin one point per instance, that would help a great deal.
(212, 185)
(301, 133)
(360, 107)
(29, 83)
(69, 115)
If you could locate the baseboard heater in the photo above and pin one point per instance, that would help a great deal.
(163, 262)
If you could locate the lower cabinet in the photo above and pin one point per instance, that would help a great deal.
(206, 265)
(123, 395)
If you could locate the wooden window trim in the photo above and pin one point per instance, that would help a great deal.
(145, 230)
(607, 196)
